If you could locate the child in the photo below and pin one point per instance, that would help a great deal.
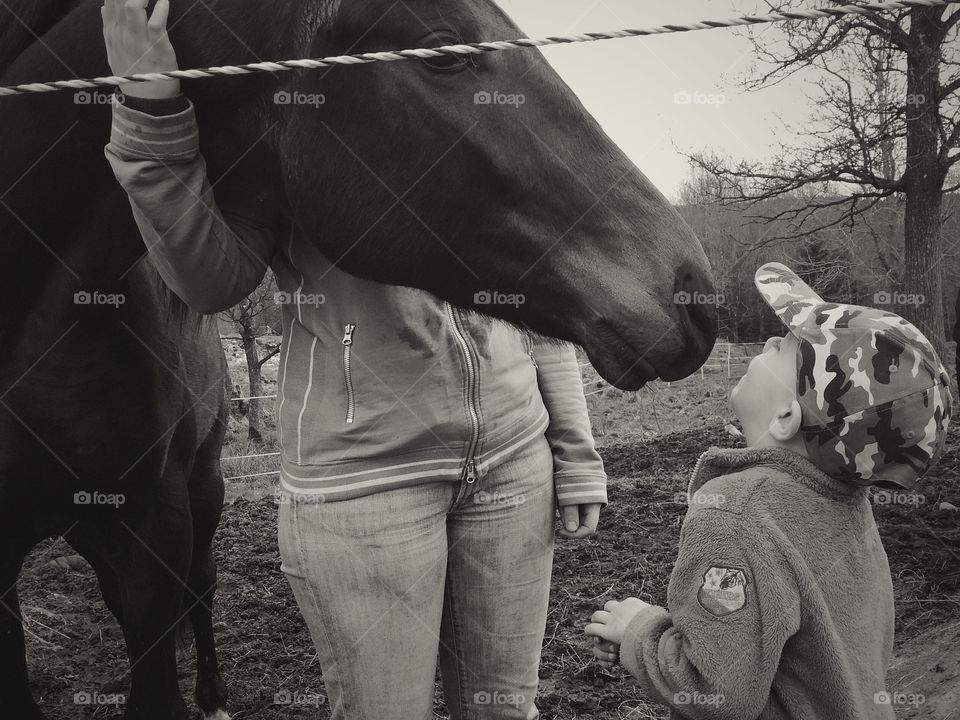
(781, 602)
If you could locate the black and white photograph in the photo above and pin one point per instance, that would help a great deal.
(479, 360)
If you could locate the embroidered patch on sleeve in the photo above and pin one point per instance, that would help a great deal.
(724, 590)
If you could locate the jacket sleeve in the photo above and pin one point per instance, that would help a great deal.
(211, 259)
(733, 604)
(577, 467)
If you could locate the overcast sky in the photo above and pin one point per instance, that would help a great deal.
(630, 85)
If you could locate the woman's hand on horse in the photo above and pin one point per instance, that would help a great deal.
(579, 520)
(138, 44)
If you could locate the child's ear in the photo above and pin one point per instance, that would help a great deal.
(786, 424)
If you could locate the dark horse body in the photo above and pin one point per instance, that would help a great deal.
(402, 178)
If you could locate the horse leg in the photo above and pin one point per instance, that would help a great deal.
(206, 504)
(15, 698)
(92, 552)
(152, 565)
(211, 691)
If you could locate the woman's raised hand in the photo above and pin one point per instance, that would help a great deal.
(139, 44)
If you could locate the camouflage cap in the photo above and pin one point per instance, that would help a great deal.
(875, 400)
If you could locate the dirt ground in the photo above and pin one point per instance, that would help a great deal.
(74, 645)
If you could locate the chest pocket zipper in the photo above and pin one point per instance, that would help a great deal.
(347, 374)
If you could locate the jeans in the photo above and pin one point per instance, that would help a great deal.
(390, 582)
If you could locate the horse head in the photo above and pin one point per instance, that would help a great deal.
(473, 178)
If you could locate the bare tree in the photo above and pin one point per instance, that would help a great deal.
(249, 319)
(886, 125)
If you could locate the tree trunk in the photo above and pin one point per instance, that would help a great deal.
(924, 178)
(254, 416)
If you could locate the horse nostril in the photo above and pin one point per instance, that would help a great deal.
(696, 298)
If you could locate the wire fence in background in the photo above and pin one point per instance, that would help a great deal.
(728, 360)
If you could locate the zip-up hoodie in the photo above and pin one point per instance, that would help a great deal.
(379, 386)
(780, 602)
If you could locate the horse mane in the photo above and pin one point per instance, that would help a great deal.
(23, 22)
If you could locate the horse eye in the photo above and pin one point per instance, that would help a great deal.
(446, 63)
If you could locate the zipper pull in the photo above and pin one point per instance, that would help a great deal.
(348, 334)
(533, 359)
(472, 472)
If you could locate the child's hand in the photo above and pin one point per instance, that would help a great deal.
(606, 652)
(611, 622)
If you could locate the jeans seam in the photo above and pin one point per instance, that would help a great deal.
(301, 555)
(460, 495)
(457, 645)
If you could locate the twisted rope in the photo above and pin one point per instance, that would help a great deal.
(469, 48)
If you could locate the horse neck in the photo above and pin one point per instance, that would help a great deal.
(22, 22)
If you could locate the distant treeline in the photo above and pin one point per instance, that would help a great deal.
(858, 261)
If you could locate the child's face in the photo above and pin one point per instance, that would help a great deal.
(768, 387)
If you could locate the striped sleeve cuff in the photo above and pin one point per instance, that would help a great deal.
(580, 489)
(137, 135)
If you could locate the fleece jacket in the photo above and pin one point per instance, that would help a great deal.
(780, 605)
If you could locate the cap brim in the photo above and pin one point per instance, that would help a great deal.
(789, 296)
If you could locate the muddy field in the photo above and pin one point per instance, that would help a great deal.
(74, 645)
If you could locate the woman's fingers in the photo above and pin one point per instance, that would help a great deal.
(158, 21)
(611, 605)
(135, 17)
(591, 516)
(111, 9)
(570, 515)
(108, 14)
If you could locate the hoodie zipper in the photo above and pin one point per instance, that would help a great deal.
(347, 375)
(696, 472)
(470, 467)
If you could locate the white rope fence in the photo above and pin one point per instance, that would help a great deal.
(466, 49)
